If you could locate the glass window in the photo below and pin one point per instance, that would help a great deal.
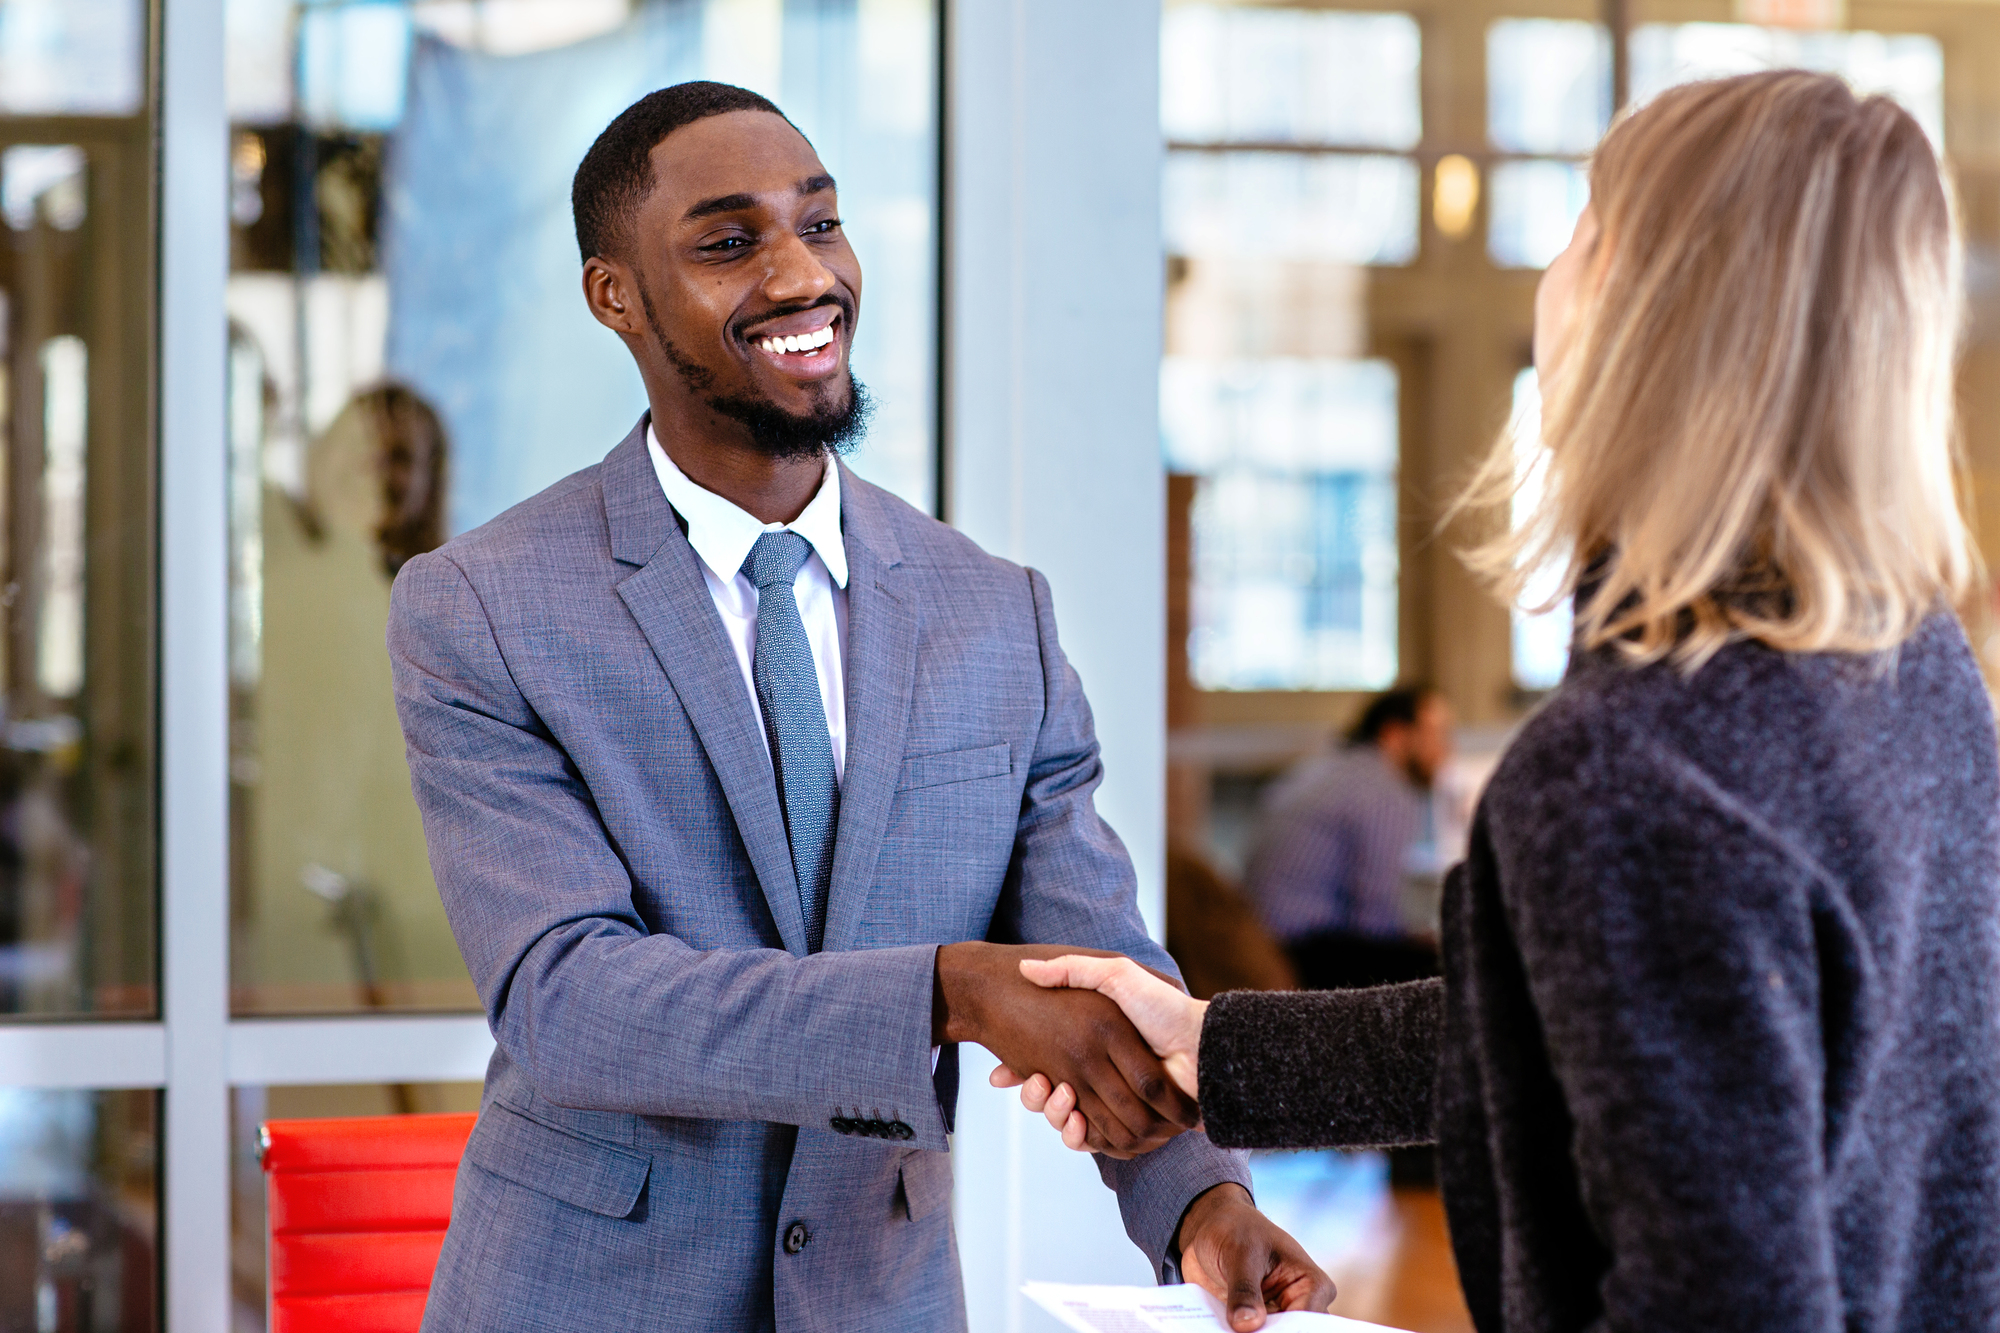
(1548, 91)
(1250, 73)
(72, 57)
(1535, 204)
(1278, 197)
(77, 903)
(410, 355)
(1358, 209)
(1548, 85)
(1294, 521)
(353, 64)
(1909, 68)
(79, 1211)
(1301, 96)
(1541, 637)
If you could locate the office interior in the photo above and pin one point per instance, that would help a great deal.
(1202, 307)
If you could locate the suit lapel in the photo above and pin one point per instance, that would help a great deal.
(881, 676)
(669, 598)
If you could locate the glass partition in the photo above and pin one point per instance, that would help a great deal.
(410, 354)
(77, 905)
(78, 1211)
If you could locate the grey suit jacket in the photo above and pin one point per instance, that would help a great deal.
(688, 1122)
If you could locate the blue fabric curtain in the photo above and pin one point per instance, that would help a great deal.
(486, 318)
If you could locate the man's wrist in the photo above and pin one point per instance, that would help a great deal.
(1203, 1206)
(954, 991)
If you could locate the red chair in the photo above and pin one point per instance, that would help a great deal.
(358, 1209)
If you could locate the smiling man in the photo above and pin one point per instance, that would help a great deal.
(747, 788)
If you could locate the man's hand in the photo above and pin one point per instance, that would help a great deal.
(1166, 1016)
(1246, 1261)
(1124, 1099)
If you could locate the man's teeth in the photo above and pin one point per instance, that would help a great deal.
(804, 342)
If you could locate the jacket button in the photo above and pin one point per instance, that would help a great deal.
(796, 1237)
(900, 1131)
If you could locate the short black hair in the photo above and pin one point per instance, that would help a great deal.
(617, 172)
(1397, 707)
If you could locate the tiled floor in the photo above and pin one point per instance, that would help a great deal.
(1386, 1249)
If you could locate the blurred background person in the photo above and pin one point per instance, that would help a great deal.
(1334, 844)
(333, 859)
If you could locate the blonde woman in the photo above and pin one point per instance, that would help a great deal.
(1718, 1041)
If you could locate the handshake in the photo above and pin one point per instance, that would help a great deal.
(1104, 1048)
(1107, 1050)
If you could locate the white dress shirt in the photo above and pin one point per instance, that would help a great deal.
(722, 535)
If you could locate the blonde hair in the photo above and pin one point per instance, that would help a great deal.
(1749, 431)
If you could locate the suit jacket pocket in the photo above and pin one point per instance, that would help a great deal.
(580, 1172)
(926, 1183)
(937, 770)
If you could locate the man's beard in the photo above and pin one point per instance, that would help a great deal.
(826, 429)
(829, 427)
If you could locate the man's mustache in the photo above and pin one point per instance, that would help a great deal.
(840, 303)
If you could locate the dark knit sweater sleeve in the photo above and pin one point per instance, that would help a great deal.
(1321, 1069)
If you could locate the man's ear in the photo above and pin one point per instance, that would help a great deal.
(611, 290)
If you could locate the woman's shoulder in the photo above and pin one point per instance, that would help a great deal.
(1751, 721)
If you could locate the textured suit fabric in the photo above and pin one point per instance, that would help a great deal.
(608, 840)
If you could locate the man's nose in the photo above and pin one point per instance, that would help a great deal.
(796, 274)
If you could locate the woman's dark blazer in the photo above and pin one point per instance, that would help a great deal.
(1718, 1041)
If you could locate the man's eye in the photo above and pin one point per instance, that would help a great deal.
(824, 227)
(727, 243)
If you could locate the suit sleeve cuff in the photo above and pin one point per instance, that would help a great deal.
(881, 1084)
(1154, 1191)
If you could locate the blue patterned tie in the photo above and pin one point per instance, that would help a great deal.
(794, 721)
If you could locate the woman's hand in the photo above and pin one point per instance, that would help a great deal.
(1167, 1017)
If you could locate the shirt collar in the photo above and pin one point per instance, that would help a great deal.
(722, 533)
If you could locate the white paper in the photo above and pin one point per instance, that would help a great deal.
(1182, 1309)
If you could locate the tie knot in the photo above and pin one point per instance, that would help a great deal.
(776, 558)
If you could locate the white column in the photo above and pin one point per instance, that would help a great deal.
(1054, 272)
(194, 786)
